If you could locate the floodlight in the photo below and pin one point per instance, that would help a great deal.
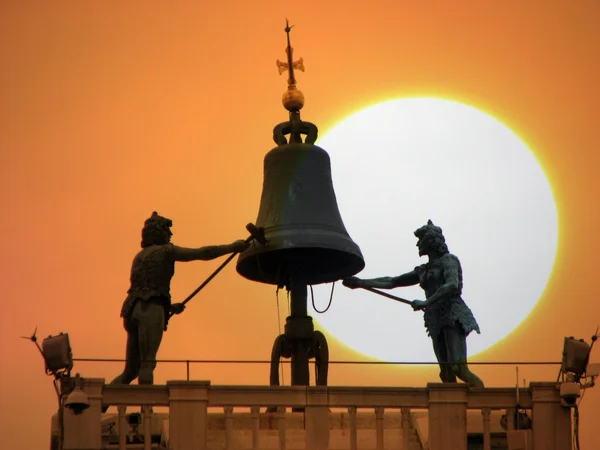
(576, 354)
(57, 353)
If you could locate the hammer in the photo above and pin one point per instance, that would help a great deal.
(256, 233)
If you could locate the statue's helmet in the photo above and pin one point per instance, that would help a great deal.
(156, 231)
(434, 237)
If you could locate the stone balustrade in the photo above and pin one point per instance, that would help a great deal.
(445, 407)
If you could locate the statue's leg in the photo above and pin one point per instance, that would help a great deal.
(151, 326)
(132, 355)
(456, 340)
(441, 353)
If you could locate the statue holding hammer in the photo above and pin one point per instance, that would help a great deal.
(148, 306)
(448, 319)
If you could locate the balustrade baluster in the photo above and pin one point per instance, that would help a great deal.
(379, 426)
(255, 411)
(123, 427)
(510, 418)
(353, 434)
(281, 426)
(487, 442)
(228, 427)
(147, 414)
(406, 428)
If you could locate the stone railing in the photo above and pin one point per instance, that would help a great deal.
(446, 405)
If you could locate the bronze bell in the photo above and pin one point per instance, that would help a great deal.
(306, 237)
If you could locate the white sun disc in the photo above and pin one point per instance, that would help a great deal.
(399, 163)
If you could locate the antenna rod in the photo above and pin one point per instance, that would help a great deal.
(290, 58)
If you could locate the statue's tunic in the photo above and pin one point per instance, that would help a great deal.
(451, 310)
(151, 273)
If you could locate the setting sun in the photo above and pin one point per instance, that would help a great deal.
(425, 158)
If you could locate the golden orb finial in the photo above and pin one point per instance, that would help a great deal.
(293, 99)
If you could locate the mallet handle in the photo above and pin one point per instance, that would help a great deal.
(385, 294)
(205, 282)
(256, 233)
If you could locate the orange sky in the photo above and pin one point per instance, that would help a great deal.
(110, 110)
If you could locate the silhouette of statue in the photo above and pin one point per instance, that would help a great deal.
(448, 319)
(147, 307)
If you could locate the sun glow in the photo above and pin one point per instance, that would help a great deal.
(399, 163)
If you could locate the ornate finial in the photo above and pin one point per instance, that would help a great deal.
(293, 99)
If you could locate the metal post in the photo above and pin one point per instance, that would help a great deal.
(300, 333)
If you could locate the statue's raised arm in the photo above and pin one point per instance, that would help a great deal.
(406, 279)
(208, 252)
